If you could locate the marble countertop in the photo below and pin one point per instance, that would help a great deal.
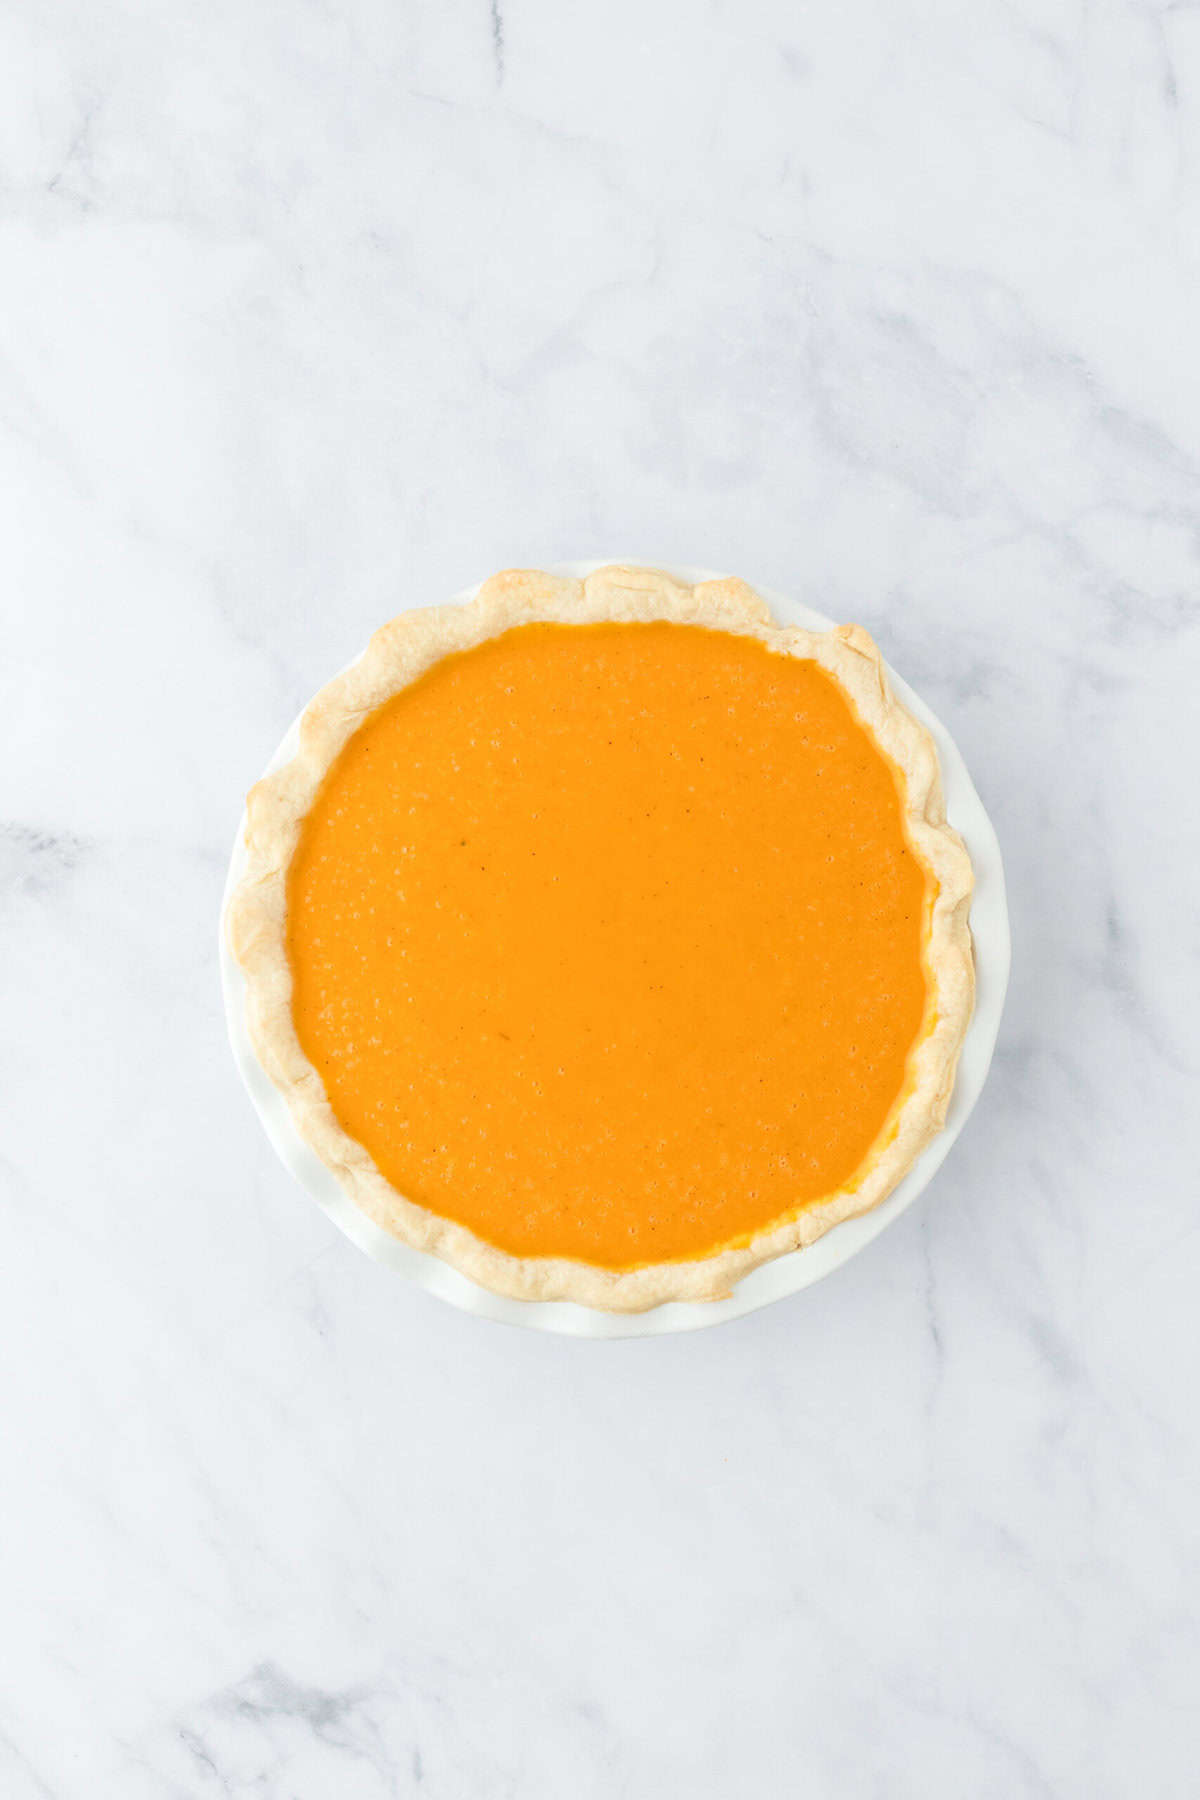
(312, 311)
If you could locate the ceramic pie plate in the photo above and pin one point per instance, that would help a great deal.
(787, 1274)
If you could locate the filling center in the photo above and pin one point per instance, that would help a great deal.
(607, 940)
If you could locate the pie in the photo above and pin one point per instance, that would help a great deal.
(605, 938)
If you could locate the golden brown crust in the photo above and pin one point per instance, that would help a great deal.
(395, 656)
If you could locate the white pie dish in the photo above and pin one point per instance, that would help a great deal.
(773, 1280)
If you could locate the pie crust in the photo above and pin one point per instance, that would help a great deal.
(397, 655)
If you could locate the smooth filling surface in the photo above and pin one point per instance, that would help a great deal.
(607, 940)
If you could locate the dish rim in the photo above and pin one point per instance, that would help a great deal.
(787, 1274)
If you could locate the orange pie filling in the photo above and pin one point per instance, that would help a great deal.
(608, 941)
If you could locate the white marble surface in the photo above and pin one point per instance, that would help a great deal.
(308, 311)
